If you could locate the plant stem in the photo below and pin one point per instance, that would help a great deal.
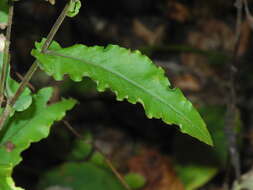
(34, 66)
(238, 4)
(107, 160)
(6, 57)
(45, 46)
(231, 113)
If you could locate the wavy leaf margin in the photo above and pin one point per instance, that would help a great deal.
(131, 76)
(27, 127)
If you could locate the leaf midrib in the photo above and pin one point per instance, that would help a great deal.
(54, 53)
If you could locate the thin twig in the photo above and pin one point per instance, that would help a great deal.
(238, 4)
(34, 66)
(246, 8)
(107, 160)
(248, 14)
(45, 46)
(6, 57)
(22, 78)
(231, 115)
(67, 124)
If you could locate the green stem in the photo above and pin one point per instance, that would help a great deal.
(6, 57)
(34, 66)
(45, 46)
(107, 160)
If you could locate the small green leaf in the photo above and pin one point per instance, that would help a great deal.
(194, 176)
(11, 86)
(74, 8)
(135, 181)
(98, 159)
(196, 170)
(7, 183)
(78, 176)
(131, 76)
(26, 127)
(4, 8)
(24, 101)
(81, 149)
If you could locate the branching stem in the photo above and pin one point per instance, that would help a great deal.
(45, 46)
(107, 160)
(34, 66)
(6, 56)
(231, 115)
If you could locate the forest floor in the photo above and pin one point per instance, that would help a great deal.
(194, 42)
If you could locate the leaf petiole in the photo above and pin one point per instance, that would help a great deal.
(34, 66)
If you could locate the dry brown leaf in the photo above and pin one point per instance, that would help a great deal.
(157, 169)
(216, 35)
(198, 63)
(52, 2)
(245, 38)
(150, 37)
(187, 82)
(178, 11)
(212, 35)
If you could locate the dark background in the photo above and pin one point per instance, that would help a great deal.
(170, 32)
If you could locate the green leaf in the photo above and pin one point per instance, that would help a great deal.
(215, 119)
(7, 183)
(81, 148)
(25, 99)
(135, 181)
(131, 76)
(26, 127)
(74, 8)
(98, 159)
(1, 60)
(196, 170)
(78, 176)
(194, 176)
(4, 7)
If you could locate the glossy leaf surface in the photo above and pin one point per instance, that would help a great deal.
(11, 86)
(190, 156)
(131, 76)
(81, 175)
(26, 127)
(3, 13)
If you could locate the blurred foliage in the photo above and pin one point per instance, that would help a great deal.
(245, 182)
(25, 100)
(81, 176)
(202, 162)
(27, 127)
(135, 181)
(81, 149)
(3, 12)
(214, 57)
